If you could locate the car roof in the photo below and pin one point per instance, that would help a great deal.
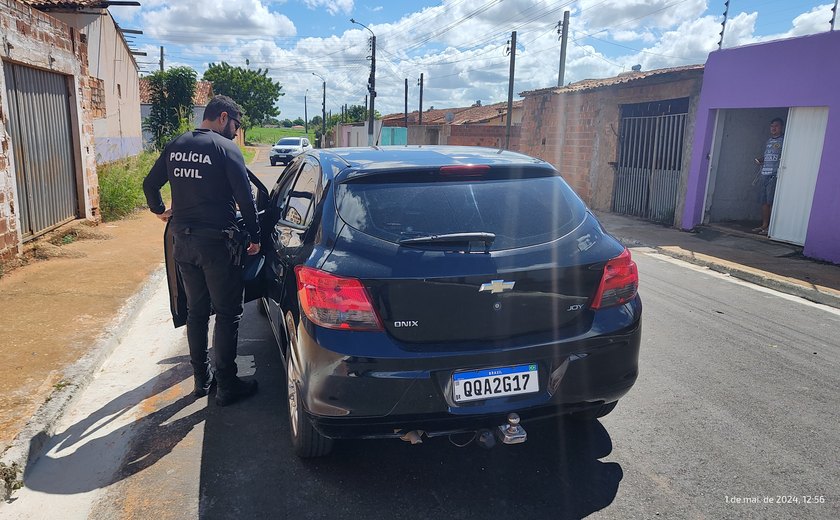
(361, 160)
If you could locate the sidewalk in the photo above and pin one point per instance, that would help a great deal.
(753, 258)
(62, 317)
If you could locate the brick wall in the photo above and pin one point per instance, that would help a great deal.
(490, 136)
(577, 131)
(32, 38)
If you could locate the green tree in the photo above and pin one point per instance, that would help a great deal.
(171, 93)
(299, 122)
(255, 92)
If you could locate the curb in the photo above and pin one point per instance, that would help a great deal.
(30, 442)
(792, 286)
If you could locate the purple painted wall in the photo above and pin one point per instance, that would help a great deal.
(801, 71)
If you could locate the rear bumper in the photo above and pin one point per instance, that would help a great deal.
(355, 385)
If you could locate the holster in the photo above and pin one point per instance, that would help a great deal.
(237, 241)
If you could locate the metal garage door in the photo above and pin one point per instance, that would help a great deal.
(39, 126)
(650, 158)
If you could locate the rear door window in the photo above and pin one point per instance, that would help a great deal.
(519, 211)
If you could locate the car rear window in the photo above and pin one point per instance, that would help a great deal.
(519, 211)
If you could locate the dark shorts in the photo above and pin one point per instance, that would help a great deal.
(767, 189)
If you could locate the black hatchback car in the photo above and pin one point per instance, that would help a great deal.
(437, 290)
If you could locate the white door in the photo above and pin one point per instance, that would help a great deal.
(798, 169)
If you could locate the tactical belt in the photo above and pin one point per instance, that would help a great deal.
(205, 233)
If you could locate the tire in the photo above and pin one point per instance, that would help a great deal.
(273, 162)
(594, 413)
(307, 442)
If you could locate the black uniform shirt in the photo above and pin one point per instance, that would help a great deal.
(208, 178)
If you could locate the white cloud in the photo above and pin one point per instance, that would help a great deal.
(332, 6)
(816, 20)
(214, 21)
(609, 14)
(457, 45)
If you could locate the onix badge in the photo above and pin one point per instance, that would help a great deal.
(496, 286)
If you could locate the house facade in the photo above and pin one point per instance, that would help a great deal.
(622, 143)
(114, 73)
(798, 80)
(47, 106)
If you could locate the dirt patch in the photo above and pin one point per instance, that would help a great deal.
(55, 309)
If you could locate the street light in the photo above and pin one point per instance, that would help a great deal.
(323, 111)
(372, 80)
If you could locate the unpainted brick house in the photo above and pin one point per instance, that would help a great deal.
(47, 153)
(623, 143)
(477, 125)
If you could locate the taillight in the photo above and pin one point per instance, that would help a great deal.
(619, 282)
(465, 170)
(335, 302)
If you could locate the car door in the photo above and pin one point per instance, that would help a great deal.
(293, 230)
(177, 296)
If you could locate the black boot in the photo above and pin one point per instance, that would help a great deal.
(233, 390)
(203, 384)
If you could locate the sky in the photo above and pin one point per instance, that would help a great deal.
(460, 46)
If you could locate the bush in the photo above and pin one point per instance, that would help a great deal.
(121, 185)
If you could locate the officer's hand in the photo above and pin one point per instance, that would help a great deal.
(165, 216)
(253, 248)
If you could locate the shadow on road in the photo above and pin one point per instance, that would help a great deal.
(249, 471)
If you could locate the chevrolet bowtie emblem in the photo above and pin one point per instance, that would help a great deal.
(496, 286)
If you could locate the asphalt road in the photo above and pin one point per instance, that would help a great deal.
(735, 404)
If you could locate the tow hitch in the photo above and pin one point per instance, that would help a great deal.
(512, 433)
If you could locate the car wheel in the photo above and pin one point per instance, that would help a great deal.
(594, 413)
(273, 162)
(306, 440)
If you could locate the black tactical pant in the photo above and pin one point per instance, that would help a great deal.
(210, 277)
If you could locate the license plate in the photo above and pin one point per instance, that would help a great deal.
(495, 382)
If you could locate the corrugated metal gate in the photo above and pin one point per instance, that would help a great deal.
(649, 166)
(39, 117)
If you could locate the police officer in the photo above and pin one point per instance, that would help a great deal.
(208, 177)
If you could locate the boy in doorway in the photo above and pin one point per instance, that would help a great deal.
(769, 170)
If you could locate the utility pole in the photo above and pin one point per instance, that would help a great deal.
(161, 58)
(405, 117)
(420, 82)
(366, 107)
(323, 110)
(371, 81)
(833, 14)
(723, 25)
(564, 36)
(510, 88)
(305, 114)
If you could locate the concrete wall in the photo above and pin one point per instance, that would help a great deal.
(577, 131)
(117, 132)
(35, 39)
(805, 72)
(732, 193)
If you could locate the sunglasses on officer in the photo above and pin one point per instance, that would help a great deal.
(236, 123)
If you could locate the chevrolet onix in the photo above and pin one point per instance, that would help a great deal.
(425, 291)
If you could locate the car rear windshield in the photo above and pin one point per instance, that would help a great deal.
(518, 211)
(289, 141)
